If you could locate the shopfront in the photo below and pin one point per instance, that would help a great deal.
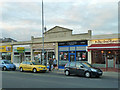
(106, 54)
(21, 53)
(5, 52)
(72, 51)
(49, 52)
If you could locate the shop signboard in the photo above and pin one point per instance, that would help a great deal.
(20, 49)
(84, 42)
(105, 41)
(5, 48)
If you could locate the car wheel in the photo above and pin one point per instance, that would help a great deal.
(21, 69)
(4, 68)
(87, 74)
(67, 73)
(34, 70)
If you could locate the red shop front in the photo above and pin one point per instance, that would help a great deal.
(105, 56)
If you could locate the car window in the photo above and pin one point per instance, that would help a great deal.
(29, 63)
(23, 62)
(87, 65)
(7, 62)
(72, 64)
(67, 65)
(78, 65)
(36, 63)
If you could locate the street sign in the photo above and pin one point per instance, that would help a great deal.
(20, 49)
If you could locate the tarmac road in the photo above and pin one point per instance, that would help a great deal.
(16, 79)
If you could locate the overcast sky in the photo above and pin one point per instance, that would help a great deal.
(22, 19)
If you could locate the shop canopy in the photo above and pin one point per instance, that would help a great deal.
(104, 47)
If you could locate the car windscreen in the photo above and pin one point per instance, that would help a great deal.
(36, 63)
(87, 64)
(7, 62)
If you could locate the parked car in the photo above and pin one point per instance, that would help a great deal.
(83, 69)
(7, 65)
(32, 66)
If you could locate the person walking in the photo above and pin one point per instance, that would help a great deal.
(50, 63)
(54, 63)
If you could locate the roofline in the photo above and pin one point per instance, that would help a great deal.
(59, 27)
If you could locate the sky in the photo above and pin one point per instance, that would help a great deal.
(22, 19)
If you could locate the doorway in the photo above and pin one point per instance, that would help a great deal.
(72, 57)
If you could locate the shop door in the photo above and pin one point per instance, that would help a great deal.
(110, 63)
(72, 57)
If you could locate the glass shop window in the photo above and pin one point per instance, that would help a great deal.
(81, 56)
(63, 58)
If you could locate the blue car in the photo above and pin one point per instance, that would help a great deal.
(7, 65)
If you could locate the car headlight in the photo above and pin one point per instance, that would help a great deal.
(94, 70)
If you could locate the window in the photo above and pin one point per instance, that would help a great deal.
(81, 48)
(63, 48)
(72, 64)
(81, 56)
(16, 53)
(23, 62)
(72, 48)
(67, 65)
(27, 53)
(63, 58)
(29, 63)
(78, 65)
(98, 57)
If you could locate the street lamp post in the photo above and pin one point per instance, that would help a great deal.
(43, 34)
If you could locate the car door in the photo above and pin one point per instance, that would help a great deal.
(72, 68)
(80, 69)
(24, 66)
(29, 66)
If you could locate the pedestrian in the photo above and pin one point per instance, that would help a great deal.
(50, 63)
(54, 63)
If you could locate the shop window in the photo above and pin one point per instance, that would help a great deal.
(51, 55)
(98, 57)
(63, 48)
(6, 56)
(117, 57)
(81, 56)
(16, 59)
(16, 53)
(72, 48)
(63, 58)
(27, 53)
(81, 48)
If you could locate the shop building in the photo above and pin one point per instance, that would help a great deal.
(72, 51)
(59, 43)
(5, 52)
(104, 51)
(21, 53)
(63, 45)
(49, 52)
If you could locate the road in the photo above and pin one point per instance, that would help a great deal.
(16, 79)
